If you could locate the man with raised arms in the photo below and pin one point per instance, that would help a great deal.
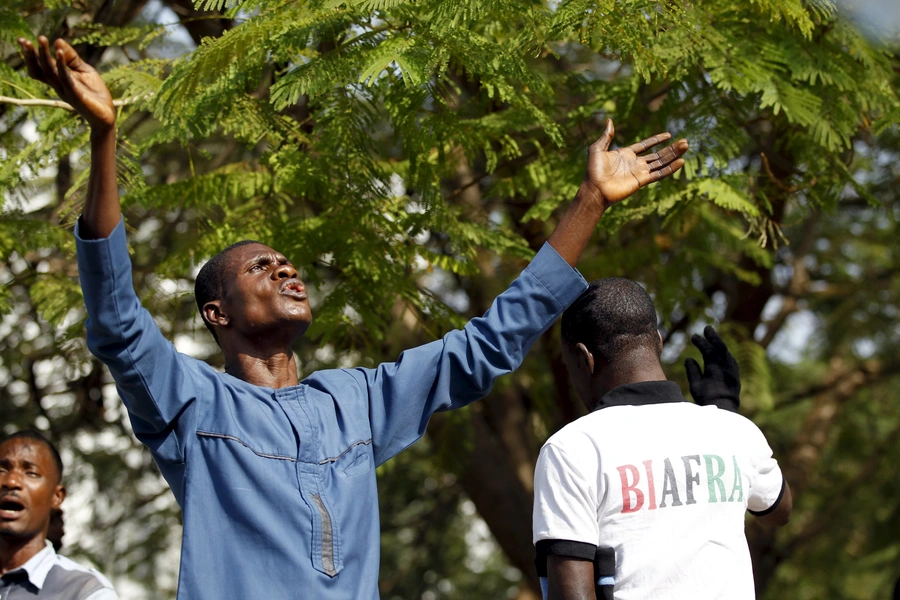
(275, 476)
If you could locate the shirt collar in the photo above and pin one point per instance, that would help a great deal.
(642, 393)
(38, 566)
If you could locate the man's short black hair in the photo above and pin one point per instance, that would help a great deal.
(210, 283)
(31, 434)
(612, 316)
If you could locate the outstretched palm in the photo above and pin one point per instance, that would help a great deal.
(619, 173)
(74, 80)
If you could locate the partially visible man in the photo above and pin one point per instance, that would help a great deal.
(57, 529)
(645, 496)
(30, 490)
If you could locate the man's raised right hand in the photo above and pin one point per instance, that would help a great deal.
(617, 174)
(75, 81)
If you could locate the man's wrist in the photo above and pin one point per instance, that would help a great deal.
(103, 133)
(590, 197)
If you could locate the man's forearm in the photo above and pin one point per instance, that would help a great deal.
(570, 579)
(101, 209)
(574, 231)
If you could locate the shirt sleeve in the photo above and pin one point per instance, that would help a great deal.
(565, 499)
(156, 383)
(460, 368)
(767, 481)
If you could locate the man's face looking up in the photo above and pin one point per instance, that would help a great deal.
(263, 293)
(29, 488)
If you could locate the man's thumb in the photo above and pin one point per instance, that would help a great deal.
(607, 137)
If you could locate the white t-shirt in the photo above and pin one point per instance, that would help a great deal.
(666, 485)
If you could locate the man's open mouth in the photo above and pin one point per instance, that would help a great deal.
(10, 507)
(294, 289)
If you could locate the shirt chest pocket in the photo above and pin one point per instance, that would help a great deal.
(354, 461)
(262, 451)
(260, 425)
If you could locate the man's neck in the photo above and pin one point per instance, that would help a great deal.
(277, 370)
(15, 552)
(615, 375)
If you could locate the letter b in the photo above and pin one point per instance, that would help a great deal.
(627, 506)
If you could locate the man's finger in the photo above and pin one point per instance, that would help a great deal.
(65, 80)
(657, 160)
(43, 52)
(48, 64)
(31, 61)
(649, 142)
(715, 340)
(694, 374)
(653, 157)
(666, 171)
(66, 53)
(602, 144)
(705, 348)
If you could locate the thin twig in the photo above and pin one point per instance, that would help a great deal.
(789, 189)
(60, 103)
(37, 102)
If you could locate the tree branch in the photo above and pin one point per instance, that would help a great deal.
(798, 286)
(842, 384)
(789, 189)
(60, 103)
(870, 369)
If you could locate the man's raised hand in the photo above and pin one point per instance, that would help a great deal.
(80, 85)
(616, 174)
(75, 81)
(611, 176)
(720, 381)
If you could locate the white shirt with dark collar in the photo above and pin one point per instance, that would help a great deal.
(665, 484)
(49, 576)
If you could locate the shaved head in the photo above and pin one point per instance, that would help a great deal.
(611, 317)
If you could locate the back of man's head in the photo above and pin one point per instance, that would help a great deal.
(614, 317)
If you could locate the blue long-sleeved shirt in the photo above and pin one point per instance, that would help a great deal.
(277, 486)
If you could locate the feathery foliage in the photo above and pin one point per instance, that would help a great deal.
(409, 156)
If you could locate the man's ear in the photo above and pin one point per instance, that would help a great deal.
(659, 346)
(59, 494)
(214, 315)
(585, 358)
